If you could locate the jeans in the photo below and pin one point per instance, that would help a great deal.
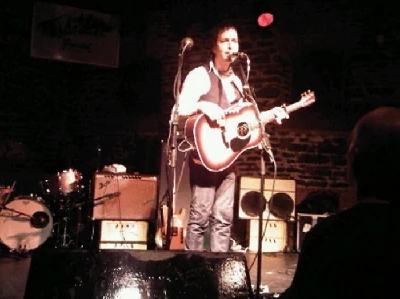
(211, 204)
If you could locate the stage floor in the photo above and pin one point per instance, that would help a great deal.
(277, 270)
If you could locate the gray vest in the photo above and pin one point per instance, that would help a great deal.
(216, 94)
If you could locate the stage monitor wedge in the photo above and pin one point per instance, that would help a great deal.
(138, 274)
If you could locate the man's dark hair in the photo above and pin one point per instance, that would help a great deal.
(217, 29)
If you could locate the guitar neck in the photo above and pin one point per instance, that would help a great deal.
(267, 117)
(294, 106)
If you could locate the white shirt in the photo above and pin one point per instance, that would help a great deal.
(197, 83)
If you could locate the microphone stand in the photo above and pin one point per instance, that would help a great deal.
(98, 157)
(265, 148)
(173, 148)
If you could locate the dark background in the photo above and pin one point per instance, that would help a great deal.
(58, 115)
(55, 116)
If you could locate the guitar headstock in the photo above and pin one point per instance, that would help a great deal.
(307, 98)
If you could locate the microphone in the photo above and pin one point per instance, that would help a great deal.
(104, 198)
(99, 200)
(238, 55)
(186, 43)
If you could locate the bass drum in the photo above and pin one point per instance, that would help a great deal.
(25, 224)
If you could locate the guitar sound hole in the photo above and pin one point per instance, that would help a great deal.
(243, 130)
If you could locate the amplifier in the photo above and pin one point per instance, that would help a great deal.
(123, 234)
(124, 196)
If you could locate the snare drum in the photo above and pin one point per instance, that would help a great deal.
(64, 182)
(18, 228)
(69, 181)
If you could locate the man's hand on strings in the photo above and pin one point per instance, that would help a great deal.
(213, 112)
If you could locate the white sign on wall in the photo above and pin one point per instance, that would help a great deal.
(75, 35)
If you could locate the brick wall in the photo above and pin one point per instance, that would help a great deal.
(333, 50)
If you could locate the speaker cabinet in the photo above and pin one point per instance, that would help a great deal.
(137, 274)
(278, 200)
(124, 196)
(274, 235)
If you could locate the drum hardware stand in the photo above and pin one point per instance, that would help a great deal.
(64, 236)
(8, 195)
(79, 226)
(62, 224)
(66, 207)
(98, 157)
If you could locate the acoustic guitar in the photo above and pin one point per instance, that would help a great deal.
(219, 146)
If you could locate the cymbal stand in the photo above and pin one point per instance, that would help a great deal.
(63, 240)
(8, 195)
(64, 243)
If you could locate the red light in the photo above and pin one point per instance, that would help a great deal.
(265, 19)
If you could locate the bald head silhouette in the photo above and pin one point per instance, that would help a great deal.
(374, 154)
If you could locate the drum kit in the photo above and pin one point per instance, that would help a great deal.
(57, 219)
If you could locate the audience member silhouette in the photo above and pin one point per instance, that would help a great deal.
(353, 253)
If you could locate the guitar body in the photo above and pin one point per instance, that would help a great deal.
(177, 236)
(219, 147)
(177, 231)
